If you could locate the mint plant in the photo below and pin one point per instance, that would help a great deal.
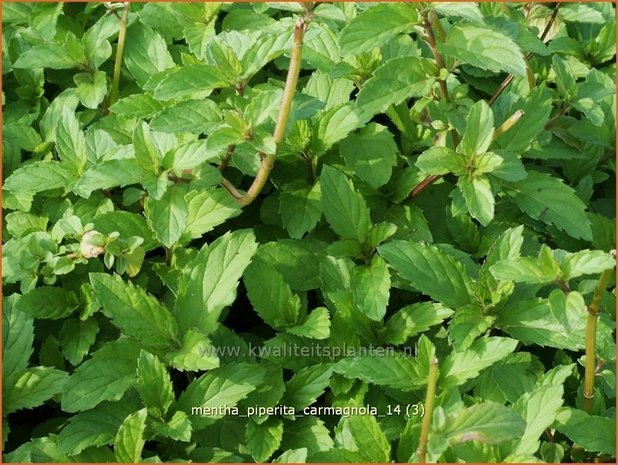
(308, 232)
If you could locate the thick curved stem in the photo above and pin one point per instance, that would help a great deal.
(268, 160)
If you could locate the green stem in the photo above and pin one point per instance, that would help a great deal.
(508, 124)
(122, 34)
(310, 172)
(510, 77)
(431, 41)
(530, 75)
(591, 339)
(432, 380)
(435, 22)
(228, 157)
(563, 111)
(282, 119)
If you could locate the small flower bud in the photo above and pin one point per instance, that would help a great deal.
(89, 247)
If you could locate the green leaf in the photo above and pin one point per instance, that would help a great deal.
(465, 10)
(507, 246)
(96, 427)
(133, 311)
(306, 386)
(130, 438)
(145, 53)
(395, 81)
(154, 384)
(178, 428)
(486, 422)
(392, 370)
(270, 43)
(309, 432)
(293, 456)
(198, 36)
(479, 130)
(429, 270)
(264, 439)
(189, 81)
(17, 339)
(108, 174)
(523, 269)
(38, 177)
(127, 224)
(105, 376)
(539, 408)
(51, 56)
(137, 106)
(593, 433)
(315, 326)
(586, 262)
(270, 295)
(344, 207)
(371, 153)
(210, 284)
(536, 107)
(20, 224)
(441, 160)
(91, 88)
(167, 216)
(479, 198)
(468, 323)
(196, 116)
(334, 125)
(362, 434)
(220, 139)
(331, 91)
(196, 353)
(582, 14)
(300, 210)
(76, 338)
(488, 163)
(207, 209)
(565, 77)
(71, 143)
(458, 367)
(221, 387)
(297, 261)
(546, 198)
(32, 387)
(370, 287)
(558, 322)
(221, 55)
(146, 153)
(376, 26)
(188, 156)
(414, 319)
(48, 302)
(484, 48)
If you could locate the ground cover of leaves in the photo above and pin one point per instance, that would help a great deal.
(313, 208)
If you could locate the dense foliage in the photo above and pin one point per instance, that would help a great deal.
(401, 208)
